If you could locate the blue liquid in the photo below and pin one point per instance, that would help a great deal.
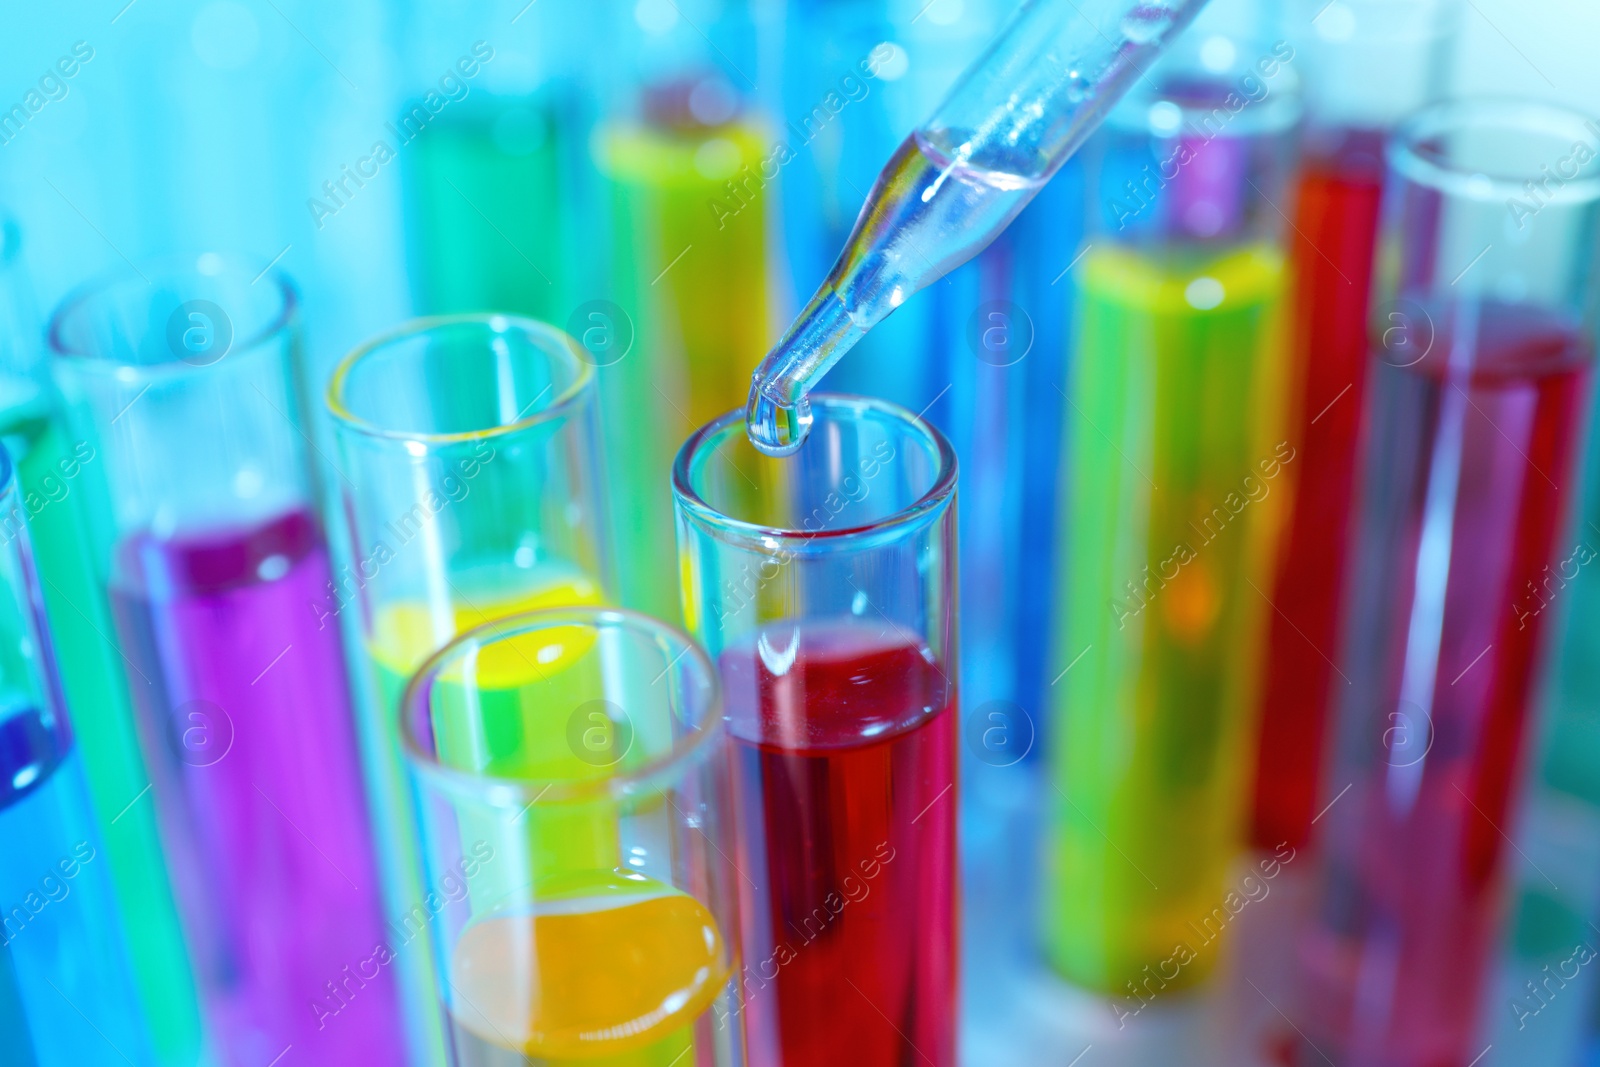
(66, 994)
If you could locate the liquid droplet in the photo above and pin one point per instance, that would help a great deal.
(1077, 87)
(1145, 23)
(776, 429)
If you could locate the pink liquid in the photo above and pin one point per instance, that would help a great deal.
(247, 719)
(1468, 475)
(845, 774)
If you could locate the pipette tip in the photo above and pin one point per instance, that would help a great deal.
(775, 429)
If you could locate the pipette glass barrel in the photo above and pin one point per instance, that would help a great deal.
(469, 444)
(1013, 118)
(1173, 470)
(1365, 69)
(572, 776)
(63, 956)
(183, 378)
(1478, 399)
(824, 588)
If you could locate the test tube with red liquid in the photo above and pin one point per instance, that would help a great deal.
(823, 586)
(1482, 346)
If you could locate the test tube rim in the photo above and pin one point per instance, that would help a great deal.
(560, 406)
(500, 790)
(1402, 154)
(738, 531)
(1276, 114)
(178, 264)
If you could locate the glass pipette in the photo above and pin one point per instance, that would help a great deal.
(1033, 96)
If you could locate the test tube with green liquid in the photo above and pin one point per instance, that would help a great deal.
(51, 472)
(1173, 473)
(689, 217)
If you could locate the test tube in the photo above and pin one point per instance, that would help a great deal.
(182, 376)
(63, 954)
(824, 588)
(1367, 65)
(1482, 341)
(48, 490)
(469, 442)
(488, 138)
(571, 774)
(1171, 473)
(690, 212)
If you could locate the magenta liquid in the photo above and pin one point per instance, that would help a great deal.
(1468, 475)
(845, 776)
(247, 717)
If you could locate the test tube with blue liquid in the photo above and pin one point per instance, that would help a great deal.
(67, 995)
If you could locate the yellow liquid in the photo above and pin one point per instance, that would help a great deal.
(1178, 392)
(621, 971)
(691, 272)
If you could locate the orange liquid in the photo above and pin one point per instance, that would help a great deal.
(588, 977)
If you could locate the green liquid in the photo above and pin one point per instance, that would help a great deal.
(690, 265)
(483, 201)
(1171, 466)
(51, 483)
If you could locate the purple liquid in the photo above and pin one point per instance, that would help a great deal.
(247, 720)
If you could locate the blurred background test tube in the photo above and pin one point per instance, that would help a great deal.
(1172, 458)
(687, 165)
(67, 993)
(823, 587)
(48, 464)
(469, 445)
(571, 773)
(1482, 333)
(1365, 64)
(183, 377)
(494, 133)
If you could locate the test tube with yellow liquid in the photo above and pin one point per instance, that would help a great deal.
(467, 448)
(1175, 470)
(572, 779)
(690, 202)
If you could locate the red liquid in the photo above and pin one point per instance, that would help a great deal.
(1336, 226)
(1467, 480)
(845, 772)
